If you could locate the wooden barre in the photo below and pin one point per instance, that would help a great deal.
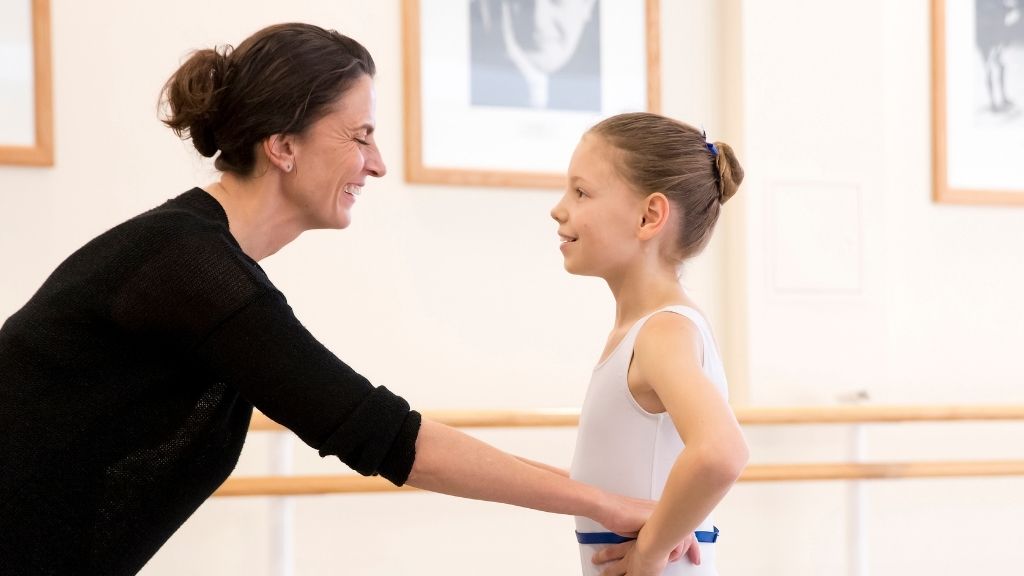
(468, 419)
(350, 483)
(568, 417)
(874, 414)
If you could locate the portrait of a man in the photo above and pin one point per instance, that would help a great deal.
(535, 54)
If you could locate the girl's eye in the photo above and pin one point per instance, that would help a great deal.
(580, 193)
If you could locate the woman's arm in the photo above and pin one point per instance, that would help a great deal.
(278, 366)
(715, 452)
(451, 462)
(543, 466)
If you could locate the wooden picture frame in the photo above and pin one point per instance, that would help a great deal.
(454, 113)
(31, 142)
(978, 136)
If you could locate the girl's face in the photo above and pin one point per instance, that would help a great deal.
(333, 158)
(599, 214)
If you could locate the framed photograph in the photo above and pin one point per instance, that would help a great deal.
(26, 115)
(978, 106)
(498, 92)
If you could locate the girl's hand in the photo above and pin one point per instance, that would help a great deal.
(624, 558)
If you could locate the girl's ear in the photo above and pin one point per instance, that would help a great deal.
(656, 212)
(280, 151)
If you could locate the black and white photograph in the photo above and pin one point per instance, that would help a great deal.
(1000, 40)
(536, 54)
(979, 101)
(533, 74)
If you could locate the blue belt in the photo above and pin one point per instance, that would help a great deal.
(613, 538)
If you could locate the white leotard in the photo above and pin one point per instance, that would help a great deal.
(624, 449)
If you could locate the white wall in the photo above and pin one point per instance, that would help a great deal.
(856, 280)
(455, 297)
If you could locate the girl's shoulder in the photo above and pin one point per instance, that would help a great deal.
(676, 320)
(669, 330)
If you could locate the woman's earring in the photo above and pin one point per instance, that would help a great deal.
(288, 168)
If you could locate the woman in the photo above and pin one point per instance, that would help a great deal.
(128, 380)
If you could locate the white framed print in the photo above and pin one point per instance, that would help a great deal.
(498, 92)
(978, 101)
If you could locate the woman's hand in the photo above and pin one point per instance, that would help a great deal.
(624, 515)
(626, 559)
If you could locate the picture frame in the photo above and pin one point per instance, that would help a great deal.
(497, 94)
(26, 100)
(978, 102)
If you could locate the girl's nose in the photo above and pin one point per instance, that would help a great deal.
(558, 212)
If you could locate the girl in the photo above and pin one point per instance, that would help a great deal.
(643, 195)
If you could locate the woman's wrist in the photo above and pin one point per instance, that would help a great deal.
(619, 514)
(596, 504)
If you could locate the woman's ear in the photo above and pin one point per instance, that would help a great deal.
(280, 151)
(656, 212)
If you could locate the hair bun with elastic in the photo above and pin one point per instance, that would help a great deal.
(730, 173)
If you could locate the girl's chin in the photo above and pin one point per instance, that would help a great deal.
(571, 268)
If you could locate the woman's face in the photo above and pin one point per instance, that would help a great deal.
(333, 158)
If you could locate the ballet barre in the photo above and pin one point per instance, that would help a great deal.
(748, 416)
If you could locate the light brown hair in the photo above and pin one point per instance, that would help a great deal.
(280, 80)
(659, 154)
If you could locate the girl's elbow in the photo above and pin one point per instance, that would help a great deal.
(737, 460)
(726, 462)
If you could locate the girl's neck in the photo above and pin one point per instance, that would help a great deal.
(258, 217)
(644, 291)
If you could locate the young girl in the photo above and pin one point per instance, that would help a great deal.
(643, 195)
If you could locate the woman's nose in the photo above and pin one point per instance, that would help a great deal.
(375, 163)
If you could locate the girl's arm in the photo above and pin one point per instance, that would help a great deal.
(667, 358)
(451, 462)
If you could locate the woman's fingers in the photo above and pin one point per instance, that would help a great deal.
(616, 569)
(612, 552)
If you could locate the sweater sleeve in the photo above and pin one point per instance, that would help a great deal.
(277, 365)
(198, 298)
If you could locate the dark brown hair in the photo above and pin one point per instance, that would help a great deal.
(280, 80)
(659, 154)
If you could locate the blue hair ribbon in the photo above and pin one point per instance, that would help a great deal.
(710, 145)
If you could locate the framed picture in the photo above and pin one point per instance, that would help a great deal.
(498, 92)
(978, 106)
(26, 115)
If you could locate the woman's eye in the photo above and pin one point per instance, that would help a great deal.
(363, 142)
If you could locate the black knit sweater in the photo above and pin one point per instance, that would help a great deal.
(128, 380)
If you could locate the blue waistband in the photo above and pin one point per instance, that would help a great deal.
(613, 538)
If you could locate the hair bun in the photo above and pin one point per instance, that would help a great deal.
(730, 173)
(191, 95)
